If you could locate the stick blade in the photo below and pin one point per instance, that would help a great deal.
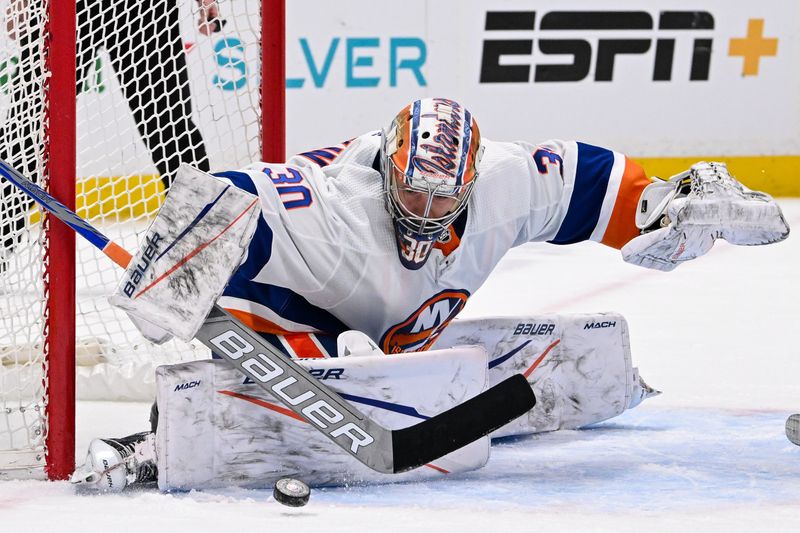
(446, 432)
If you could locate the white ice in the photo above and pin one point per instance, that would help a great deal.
(716, 335)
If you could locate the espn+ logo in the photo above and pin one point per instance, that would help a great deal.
(592, 39)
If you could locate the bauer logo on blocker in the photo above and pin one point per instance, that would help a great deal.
(150, 251)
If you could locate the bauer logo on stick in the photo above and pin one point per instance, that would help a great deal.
(316, 410)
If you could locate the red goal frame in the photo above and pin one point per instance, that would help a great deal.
(59, 178)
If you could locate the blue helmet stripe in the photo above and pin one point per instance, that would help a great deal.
(465, 140)
(415, 112)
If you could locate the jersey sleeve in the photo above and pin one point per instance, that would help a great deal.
(321, 157)
(287, 257)
(587, 193)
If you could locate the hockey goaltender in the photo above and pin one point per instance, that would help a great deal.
(355, 259)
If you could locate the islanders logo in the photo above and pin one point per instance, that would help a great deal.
(419, 331)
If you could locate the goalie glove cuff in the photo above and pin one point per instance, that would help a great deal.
(651, 213)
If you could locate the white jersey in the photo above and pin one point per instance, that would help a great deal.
(324, 257)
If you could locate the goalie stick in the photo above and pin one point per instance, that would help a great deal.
(383, 450)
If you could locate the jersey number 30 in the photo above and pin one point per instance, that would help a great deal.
(293, 194)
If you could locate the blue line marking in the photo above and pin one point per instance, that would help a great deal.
(396, 408)
(507, 356)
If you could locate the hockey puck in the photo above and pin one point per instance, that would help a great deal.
(291, 492)
(793, 429)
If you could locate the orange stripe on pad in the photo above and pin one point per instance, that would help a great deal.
(621, 225)
(196, 250)
(266, 405)
(540, 358)
(437, 468)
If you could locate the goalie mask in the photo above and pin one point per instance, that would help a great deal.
(429, 159)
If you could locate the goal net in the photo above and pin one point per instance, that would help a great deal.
(154, 88)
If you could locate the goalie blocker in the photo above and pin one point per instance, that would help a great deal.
(189, 253)
(579, 366)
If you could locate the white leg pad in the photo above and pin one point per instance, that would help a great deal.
(216, 431)
(578, 365)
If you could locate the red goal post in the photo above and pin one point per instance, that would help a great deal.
(51, 289)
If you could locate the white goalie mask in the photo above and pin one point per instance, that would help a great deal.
(429, 159)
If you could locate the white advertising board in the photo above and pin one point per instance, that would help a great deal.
(665, 79)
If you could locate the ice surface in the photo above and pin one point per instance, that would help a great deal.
(716, 335)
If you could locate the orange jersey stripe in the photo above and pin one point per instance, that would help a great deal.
(257, 323)
(621, 226)
(303, 346)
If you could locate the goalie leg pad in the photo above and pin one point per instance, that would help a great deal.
(579, 366)
(215, 430)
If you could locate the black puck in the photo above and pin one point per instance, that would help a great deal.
(793, 429)
(291, 492)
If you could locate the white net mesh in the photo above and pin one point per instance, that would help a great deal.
(153, 91)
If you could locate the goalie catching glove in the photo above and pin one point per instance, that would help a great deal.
(680, 218)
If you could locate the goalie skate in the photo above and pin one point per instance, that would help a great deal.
(113, 464)
(793, 429)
